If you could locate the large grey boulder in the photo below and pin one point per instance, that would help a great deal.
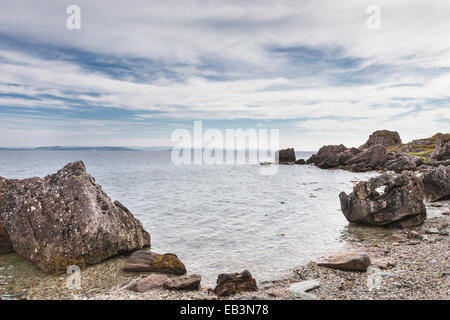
(386, 200)
(332, 156)
(66, 219)
(382, 137)
(436, 183)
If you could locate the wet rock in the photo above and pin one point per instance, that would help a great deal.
(66, 219)
(285, 156)
(384, 138)
(5, 243)
(147, 261)
(228, 284)
(436, 184)
(347, 260)
(189, 282)
(386, 200)
(149, 283)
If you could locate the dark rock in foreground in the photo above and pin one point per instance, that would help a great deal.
(66, 219)
(399, 204)
(285, 156)
(228, 284)
(189, 282)
(383, 137)
(147, 261)
(436, 184)
(347, 260)
(5, 243)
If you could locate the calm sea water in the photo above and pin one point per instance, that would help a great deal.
(216, 218)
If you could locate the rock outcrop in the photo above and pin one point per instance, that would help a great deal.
(401, 161)
(66, 219)
(332, 156)
(285, 156)
(147, 261)
(346, 260)
(382, 137)
(400, 203)
(371, 159)
(436, 184)
(228, 284)
(442, 151)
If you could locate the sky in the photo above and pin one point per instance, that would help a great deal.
(138, 70)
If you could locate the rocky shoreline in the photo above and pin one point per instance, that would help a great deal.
(396, 245)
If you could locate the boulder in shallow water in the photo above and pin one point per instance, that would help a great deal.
(285, 156)
(66, 219)
(228, 284)
(147, 261)
(386, 200)
(347, 260)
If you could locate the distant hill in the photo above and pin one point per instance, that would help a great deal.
(63, 148)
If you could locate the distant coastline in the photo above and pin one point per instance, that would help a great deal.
(65, 148)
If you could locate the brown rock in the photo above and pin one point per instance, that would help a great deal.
(5, 243)
(147, 261)
(347, 260)
(189, 282)
(151, 282)
(228, 284)
(66, 219)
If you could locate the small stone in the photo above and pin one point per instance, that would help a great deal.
(190, 282)
(303, 296)
(433, 262)
(147, 261)
(304, 286)
(443, 233)
(436, 204)
(347, 260)
(432, 231)
(228, 284)
(446, 213)
(395, 244)
(276, 292)
(384, 263)
(149, 283)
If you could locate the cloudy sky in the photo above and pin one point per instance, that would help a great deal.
(137, 70)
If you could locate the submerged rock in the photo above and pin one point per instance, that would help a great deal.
(347, 260)
(228, 284)
(386, 200)
(147, 261)
(189, 282)
(285, 156)
(66, 219)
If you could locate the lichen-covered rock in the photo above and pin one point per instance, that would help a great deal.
(66, 219)
(147, 261)
(400, 203)
(436, 184)
(384, 138)
(228, 284)
(188, 282)
(346, 260)
(285, 156)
